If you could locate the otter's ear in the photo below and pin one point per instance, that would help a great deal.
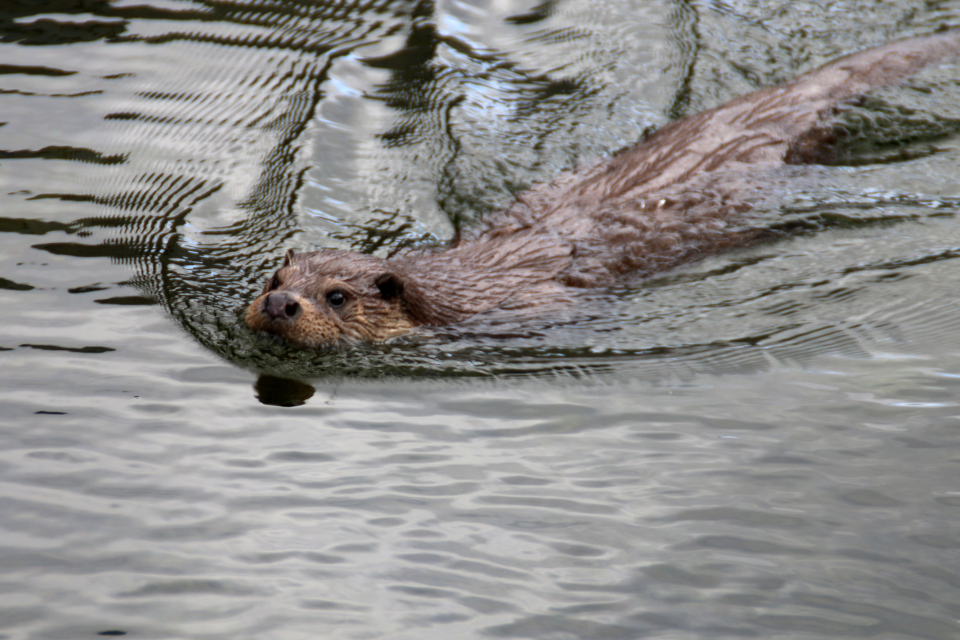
(393, 286)
(287, 259)
(390, 285)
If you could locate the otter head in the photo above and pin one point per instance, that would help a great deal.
(329, 297)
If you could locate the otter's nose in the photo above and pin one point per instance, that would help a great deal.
(279, 304)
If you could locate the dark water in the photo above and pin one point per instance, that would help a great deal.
(762, 445)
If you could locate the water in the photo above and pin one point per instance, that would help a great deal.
(763, 444)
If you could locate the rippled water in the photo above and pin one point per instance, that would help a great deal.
(764, 444)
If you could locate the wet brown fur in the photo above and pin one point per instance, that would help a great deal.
(674, 197)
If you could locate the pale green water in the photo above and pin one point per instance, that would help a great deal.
(762, 445)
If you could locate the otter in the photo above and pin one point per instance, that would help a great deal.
(678, 195)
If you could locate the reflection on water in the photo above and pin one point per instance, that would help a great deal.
(760, 445)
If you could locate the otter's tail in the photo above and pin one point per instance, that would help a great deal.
(777, 125)
(858, 73)
(681, 193)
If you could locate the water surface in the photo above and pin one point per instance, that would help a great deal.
(761, 445)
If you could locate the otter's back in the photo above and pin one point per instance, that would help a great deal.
(682, 191)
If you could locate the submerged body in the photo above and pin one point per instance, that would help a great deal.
(676, 196)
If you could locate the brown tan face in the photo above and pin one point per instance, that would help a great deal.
(327, 298)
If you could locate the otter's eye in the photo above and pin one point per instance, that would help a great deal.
(274, 283)
(336, 298)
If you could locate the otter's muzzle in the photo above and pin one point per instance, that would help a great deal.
(280, 305)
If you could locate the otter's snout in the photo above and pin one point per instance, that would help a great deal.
(280, 305)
